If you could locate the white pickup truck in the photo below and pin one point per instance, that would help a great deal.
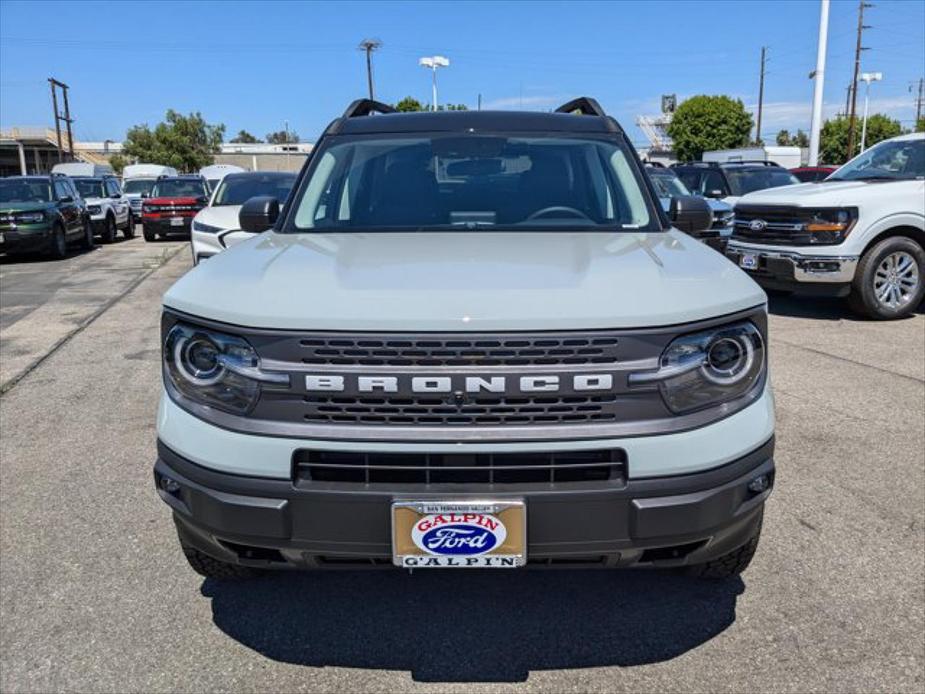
(860, 233)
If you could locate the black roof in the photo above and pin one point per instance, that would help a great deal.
(467, 121)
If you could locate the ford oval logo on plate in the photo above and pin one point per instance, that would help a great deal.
(466, 534)
(458, 534)
(757, 225)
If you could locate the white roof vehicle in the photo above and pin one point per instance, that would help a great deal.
(214, 173)
(859, 233)
(216, 227)
(81, 168)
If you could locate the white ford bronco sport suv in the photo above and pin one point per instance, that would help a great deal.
(109, 209)
(859, 233)
(471, 339)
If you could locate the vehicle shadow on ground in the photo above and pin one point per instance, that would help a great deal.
(473, 626)
(819, 308)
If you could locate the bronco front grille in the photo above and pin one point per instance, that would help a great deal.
(464, 468)
(480, 410)
(456, 350)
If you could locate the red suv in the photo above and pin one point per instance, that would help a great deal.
(811, 174)
(173, 203)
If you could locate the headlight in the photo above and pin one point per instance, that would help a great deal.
(830, 225)
(205, 365)
(94, 209)
(207, 228)
(708, 368)
(29, 217)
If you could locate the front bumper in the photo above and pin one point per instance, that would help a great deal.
(164, 226)
(24, 240)
(794, 270)
(668, 521)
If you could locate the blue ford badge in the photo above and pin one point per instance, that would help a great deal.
(757, 225)
(458, 534)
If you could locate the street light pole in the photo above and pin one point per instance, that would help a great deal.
(432, 63)
(867, 78)
(819, 84)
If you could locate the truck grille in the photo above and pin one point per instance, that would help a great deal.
(473, 468)
(453, 350)
(784, 225)
(481, 410)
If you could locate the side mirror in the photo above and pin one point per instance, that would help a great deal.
(66, 198)
(116, 196)
(715, 193)
(690, 214)
(202, 200)
(259, 214)
(146, 195)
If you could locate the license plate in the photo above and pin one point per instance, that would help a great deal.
(176, 221)
(459, 534)
(748, 261)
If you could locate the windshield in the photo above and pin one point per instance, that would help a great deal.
(667, 185)
(891, 160)
(744, 181)
(19, 190)
(179, 188)
(90, 187)
(236, 189)
(139, 185)
(451, 182)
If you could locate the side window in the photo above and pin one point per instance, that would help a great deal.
(714, 181)
(62, 190)
(112, 188)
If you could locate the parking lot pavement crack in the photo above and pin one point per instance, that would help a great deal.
(837, 357)
(151, 267)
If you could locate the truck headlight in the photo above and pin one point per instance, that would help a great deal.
(708, 368)
(830, 225)
(205, 365)
(94, 209)
(29, 217)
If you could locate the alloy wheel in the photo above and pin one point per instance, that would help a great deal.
(896, 280)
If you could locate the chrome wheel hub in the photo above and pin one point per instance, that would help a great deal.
(896, 280)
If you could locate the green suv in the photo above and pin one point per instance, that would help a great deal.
(42, 213)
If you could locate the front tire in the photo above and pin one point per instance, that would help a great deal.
(109, 232)
(207, 566)
(129, 231)
(890, 279)
(731, 564)
(88, 242)
(149, 234)
(58, 247)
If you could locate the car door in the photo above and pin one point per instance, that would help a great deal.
(68, 206)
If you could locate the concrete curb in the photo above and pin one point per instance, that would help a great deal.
(168, 255)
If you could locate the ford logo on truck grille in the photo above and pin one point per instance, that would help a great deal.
(757, 225)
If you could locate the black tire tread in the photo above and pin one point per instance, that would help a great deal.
(210, 567)
(731, 564)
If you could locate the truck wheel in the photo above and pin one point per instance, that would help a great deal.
(731, 564)
(149, 234)
(129, 231)
(210, 567)
(57, 249)
(109, 232)
(890, 279)
(88, 242)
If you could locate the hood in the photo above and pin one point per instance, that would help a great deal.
(824, 193)
(13, 207)
(464, 281)
(223, 216)
(94, 200)
(185, 200)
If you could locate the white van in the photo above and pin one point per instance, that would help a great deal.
(139, 179)
(82, 168)
(216, 172)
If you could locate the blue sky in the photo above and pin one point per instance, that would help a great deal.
(253, 65)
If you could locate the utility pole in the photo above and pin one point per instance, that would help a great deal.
(370, 45)
(480, 96)
(919, 100)
(854, 81)
(815, 127)
(760, 96)
(66, 118)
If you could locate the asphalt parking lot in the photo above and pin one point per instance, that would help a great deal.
(95, 595)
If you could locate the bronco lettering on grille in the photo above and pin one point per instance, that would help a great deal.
(326, 383)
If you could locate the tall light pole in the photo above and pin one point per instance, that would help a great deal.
(819, 84)
(867, 78)
(432, 63)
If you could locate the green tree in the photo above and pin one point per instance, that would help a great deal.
(833, 140)
(186, 143)
(920, 125)
(704, 123)
(453, 107)
(118, 162)
(244, 137)
(282, 137)
(785, 139)
(409, 104)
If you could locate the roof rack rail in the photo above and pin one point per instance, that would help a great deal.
(706, 164)
(364, 107)
(583, 105)
(760, 162)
